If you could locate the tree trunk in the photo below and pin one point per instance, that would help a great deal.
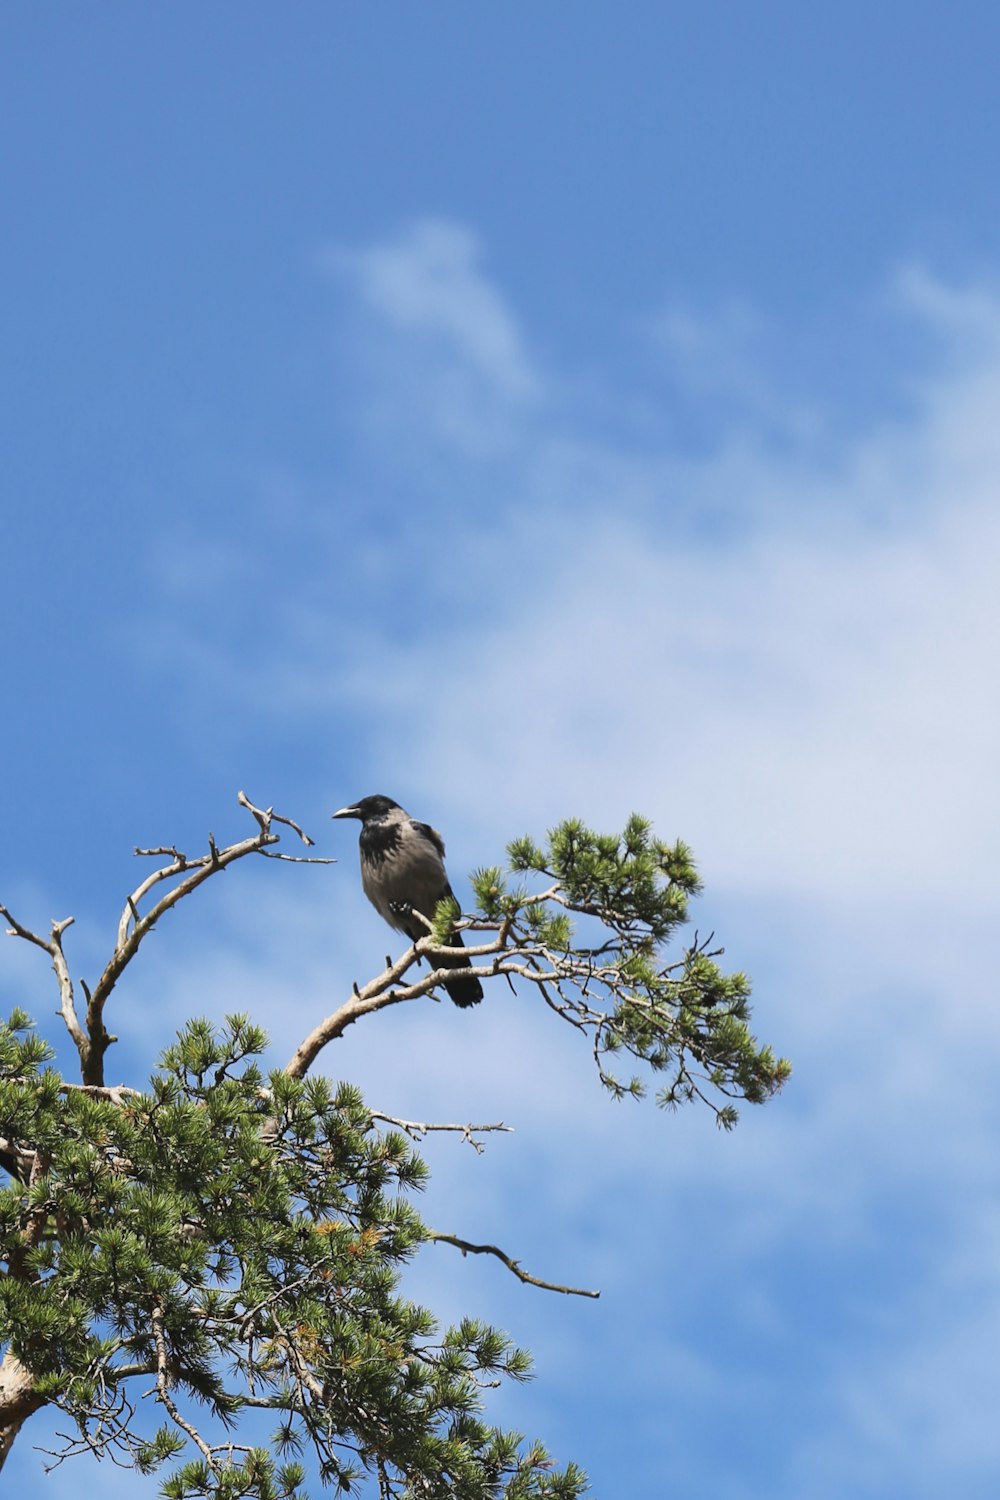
(18, 1399)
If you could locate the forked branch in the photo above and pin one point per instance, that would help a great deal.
(91, 1039)
(53, 947)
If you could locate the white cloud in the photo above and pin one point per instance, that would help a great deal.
(430, 282)
(721, 356)
(788, 662)
(807, 700)
(450, 352)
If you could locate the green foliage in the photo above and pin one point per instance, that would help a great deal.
(628, 894)
(229, 1242)
(445, 916)
(236, 1239)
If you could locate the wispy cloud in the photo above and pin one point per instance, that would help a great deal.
(784, 656)
(721, 360)
(450, 350)
(808, 700)
(430, 282)
(801, 689)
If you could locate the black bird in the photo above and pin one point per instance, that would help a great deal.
(402, 872)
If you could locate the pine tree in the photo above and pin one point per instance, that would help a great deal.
(229, 1237)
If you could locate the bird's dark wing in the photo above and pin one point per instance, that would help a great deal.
(429, 833)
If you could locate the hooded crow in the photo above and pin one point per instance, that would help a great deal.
(402, 872)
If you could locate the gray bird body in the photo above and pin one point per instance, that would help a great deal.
(402, 872)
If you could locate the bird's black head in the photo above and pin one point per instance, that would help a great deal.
(368, 807)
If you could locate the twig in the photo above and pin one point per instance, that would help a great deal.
(297, 859)
(417, 1129)
(266, 816)
(512, 1265)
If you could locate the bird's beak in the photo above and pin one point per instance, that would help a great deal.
(346, 812)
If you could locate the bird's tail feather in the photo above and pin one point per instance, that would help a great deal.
(463, 991)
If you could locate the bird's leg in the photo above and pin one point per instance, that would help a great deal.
(401, 908)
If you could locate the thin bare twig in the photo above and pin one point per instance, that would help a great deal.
(296, 859)
(417, 1129)
(266, 816)
(512, 1265)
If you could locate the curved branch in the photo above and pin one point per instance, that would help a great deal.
(512, 1265)
(92, 1040)
(382, 991)
(133, 926)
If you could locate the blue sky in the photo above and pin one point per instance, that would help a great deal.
(532, 411)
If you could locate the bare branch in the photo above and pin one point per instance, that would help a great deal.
(268, 816)
(92, 1040)
(376, 994)
(18, 1161)
(512, 1265)
(133, 926)
(53, 947)
(163, 1382)
(297, 859)
(117, 1093)
(382, 991)
(417, 1129)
